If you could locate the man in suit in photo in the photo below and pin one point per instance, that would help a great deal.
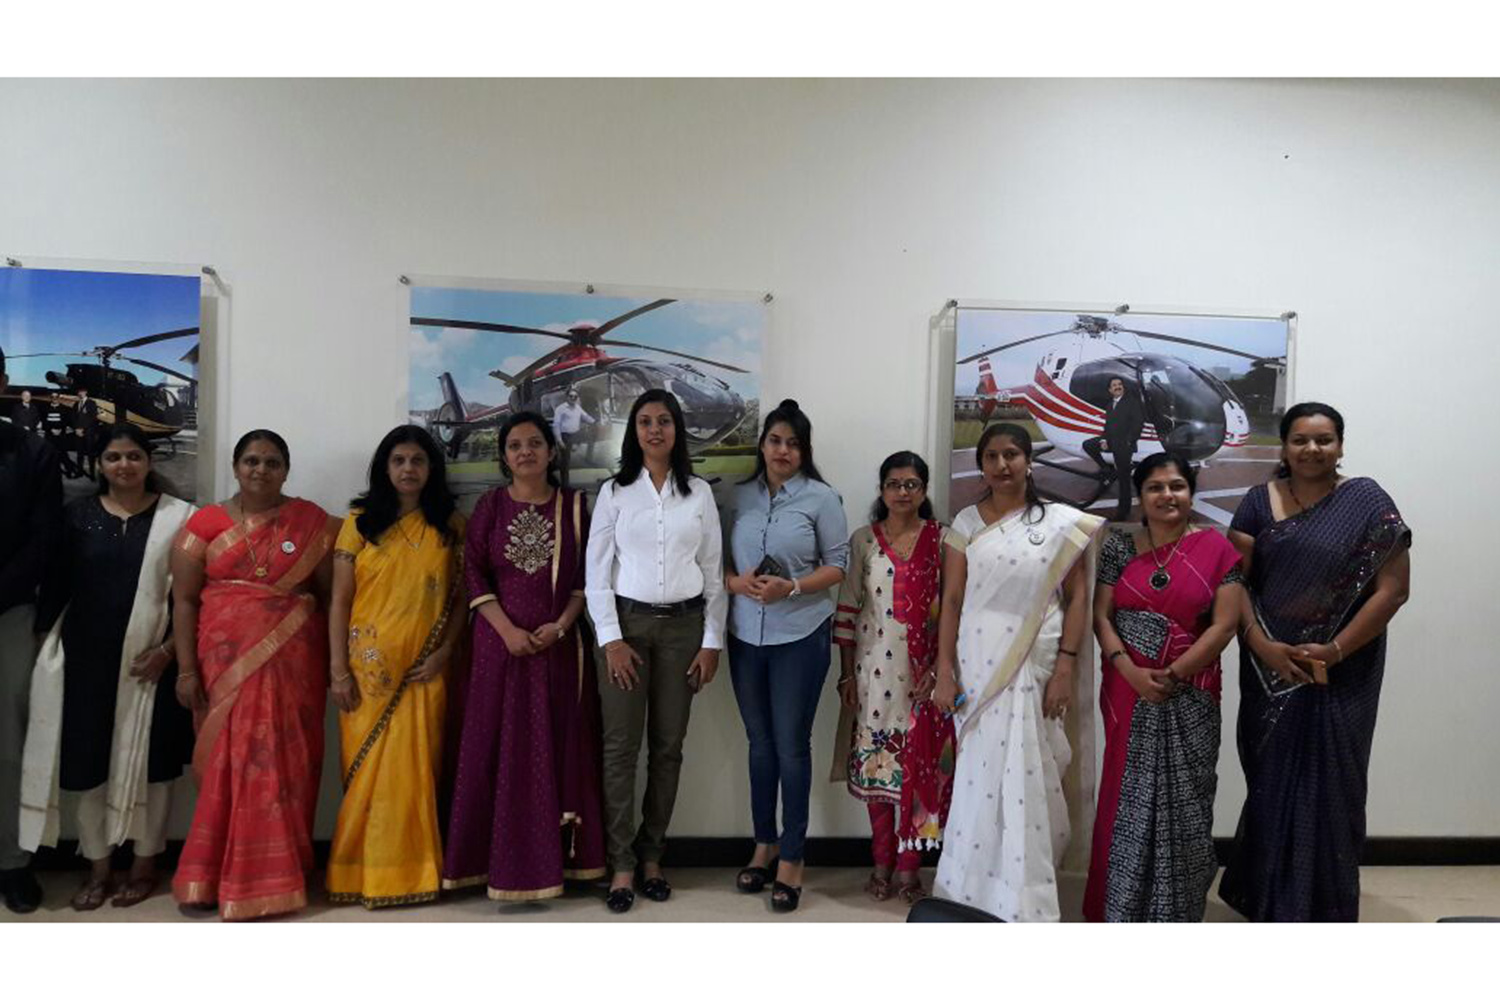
(1124, 419)
(86, 427)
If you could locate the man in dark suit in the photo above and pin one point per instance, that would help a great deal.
(86, 426)
(1123, 420)
(25, 415)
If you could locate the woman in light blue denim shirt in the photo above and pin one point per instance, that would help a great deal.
(787, 552)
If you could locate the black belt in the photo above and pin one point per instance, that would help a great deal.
(661, 610)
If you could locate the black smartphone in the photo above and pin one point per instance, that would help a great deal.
(770, 567)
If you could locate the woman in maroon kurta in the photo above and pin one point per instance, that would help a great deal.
(527, 808)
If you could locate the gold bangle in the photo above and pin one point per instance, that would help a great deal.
(1335, 644)
(343, 677)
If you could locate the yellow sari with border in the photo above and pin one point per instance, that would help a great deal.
(387, 848)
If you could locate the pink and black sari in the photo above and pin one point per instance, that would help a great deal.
(1153, 850)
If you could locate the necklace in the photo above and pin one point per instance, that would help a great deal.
(1298, 500)
(1161, 579)
(903, 545)
(261, 570)
(421, 534)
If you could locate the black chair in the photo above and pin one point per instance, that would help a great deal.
(932, 910)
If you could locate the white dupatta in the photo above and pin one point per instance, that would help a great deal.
(1014, 573)
(131, 744)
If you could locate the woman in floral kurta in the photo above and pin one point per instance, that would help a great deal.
(900, 747)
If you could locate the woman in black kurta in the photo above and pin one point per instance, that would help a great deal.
(96, 585)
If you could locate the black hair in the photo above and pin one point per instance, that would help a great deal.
(380, 505)
(1298, 412)
(540, 422)
(1160, 460)
(1022, 439)
(130, 432)
(901, 460)
(789, 413)
(633, 459)
(261, 434)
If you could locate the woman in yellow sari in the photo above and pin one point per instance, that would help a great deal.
(392, 634)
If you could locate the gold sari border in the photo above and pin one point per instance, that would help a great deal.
(584, 874)
(467, 882)
(196, 893)
(378, 902)
(263, 906)
(525, 895)
(190, 544)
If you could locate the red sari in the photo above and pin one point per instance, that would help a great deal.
(263, 660)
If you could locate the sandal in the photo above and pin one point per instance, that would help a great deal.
(910, 892)
(879, 887)
(92, 894)
(784, 898)
(752, 879)
(136, 890)
(620, 900)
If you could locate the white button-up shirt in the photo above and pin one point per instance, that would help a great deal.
(569, 418)
(657, 548)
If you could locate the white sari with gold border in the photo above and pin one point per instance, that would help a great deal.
(1024, 785)
(131, 742)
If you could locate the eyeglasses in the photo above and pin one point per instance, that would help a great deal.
(904, 485)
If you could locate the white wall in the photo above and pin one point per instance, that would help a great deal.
(1371, 208)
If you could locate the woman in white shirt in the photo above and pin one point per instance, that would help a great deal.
(656, 595)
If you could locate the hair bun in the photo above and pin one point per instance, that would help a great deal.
(788, 404)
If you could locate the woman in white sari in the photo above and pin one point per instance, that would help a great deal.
(101, 723)
(1016, 657)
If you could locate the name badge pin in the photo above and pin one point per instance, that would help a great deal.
(1035, 537)
(289, 546)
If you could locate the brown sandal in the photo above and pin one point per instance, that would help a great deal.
(92, 894)
(910, 892)
(879, 887)
(137, 890)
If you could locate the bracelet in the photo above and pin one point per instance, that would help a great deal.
(1067, 652)
(343, 677)
(183, 675)
(796, 589)
(843, 680)
(1335, 644)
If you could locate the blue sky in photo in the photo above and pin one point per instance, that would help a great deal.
(981, 328)
(57, 312)
(731, 332)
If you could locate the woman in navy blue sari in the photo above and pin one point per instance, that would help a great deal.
(1328, 566)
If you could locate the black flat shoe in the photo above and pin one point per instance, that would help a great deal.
(620, 900)
(752, 879)
(784, 898)
(23, 894)
(657, 889)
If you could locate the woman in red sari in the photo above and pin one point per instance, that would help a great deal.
(1166, 605)
(245, 573)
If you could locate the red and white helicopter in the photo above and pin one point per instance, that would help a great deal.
(1189, 410)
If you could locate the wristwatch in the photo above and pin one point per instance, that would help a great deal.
(796, 589)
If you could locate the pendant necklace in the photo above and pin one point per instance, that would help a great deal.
(1161, 579)
(421, 535)
(261, 571)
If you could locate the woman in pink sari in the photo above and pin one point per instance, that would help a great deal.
(252, 649)
(1166, 605)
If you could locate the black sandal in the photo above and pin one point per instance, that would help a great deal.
(784, 898)
(620, 900)
(752, 879)
(656, 889)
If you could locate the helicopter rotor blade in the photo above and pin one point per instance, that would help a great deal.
(678, 354)
(54, 354)
(1014, 343)
(161, 368)
(536, 366)
(470, 324)
(600, 331)
(191, 331)
(1196, 343)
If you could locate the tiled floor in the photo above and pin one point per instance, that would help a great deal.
(833, 894)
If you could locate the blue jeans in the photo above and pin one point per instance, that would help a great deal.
(777, 688)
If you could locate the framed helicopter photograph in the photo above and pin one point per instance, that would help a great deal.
(480, 351)
(86, 349)
(1100, 390)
